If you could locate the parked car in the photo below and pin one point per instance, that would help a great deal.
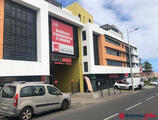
(154, 82)
(23, 99)
(123, 84)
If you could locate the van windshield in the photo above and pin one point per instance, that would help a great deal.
(8, 91)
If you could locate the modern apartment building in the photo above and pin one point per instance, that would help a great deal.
(106, 56)
(40, 41)
(105, 52)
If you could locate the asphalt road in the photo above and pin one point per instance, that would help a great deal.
(133, 107)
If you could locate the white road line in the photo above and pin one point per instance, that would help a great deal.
(157, 94)
(149, 98)
(133, 106)
(111, 116)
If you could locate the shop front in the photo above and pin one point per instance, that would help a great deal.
(103, 81)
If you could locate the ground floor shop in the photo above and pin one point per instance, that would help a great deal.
(102, 81)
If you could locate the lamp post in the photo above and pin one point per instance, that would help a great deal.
(130, 56)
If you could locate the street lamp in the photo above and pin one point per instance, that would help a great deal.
(130, 56)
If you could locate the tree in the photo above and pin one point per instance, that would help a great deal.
(147, 67)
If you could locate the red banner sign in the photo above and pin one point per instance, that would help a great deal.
(113, 76)
(62, 38)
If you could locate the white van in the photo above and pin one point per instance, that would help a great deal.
(137, 81)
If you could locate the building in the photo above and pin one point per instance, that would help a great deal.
(105, 52)
(106, 56)
(40, 41)
(77, 10)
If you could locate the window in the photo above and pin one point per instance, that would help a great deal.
(109, 40)
(84, 35)
(89, 20)
(20, 41)
(113, 52)
(84, 50)
(79, 15)
(9, 92)
(32, 91)
(85, 66)
(53, 91)
(114, 63)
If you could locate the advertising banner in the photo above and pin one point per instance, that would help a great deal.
(62, 38)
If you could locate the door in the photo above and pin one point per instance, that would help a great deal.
(54, 98)
(36, 96)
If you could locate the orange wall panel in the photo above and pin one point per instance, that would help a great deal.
(101, 47)
(103, 56)
(1, 27)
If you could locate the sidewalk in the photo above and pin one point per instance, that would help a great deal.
(81, 99)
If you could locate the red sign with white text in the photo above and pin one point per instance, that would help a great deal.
(62, 38)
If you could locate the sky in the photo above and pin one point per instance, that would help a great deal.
(128, 14)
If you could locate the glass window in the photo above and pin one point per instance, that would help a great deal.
(113, 52)
(85, 66)
(8, 91)
(79, 15)
(84, 35)
(53, 90)
(109, 40)
(114, 63)
(84, 50)
(32, 91)
(89, 20)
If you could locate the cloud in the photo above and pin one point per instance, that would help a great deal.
(129, 14)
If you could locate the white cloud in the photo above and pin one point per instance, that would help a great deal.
(126, 14)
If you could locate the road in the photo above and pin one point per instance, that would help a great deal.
(131, 107)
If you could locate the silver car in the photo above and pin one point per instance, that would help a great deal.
(23, 99)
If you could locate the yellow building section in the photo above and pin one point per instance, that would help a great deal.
(79, 11)
(103, 56)
(1, 27)
(64, 74)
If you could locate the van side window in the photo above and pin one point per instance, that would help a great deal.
(53, 91)
(32, 91)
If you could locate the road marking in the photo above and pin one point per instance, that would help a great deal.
(133, 106)
(111, 116)
(149, 98)
(157, 94)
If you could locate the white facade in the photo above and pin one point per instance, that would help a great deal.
(41, 66)
(98, 69)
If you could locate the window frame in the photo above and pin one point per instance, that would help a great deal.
(32, 94)
(59, 92)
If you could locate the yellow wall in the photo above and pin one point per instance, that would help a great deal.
(64, 74)
(1, 27)
(76, 9)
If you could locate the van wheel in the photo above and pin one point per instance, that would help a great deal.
(26, 114)
(65, 105)
(130, 87)
(140, 87)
